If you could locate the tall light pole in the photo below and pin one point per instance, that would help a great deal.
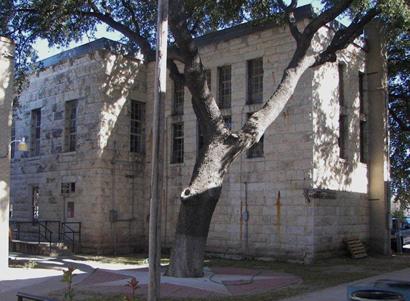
(155, 208)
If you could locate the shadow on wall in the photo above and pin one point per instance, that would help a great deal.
(337, 167)
(121, 82)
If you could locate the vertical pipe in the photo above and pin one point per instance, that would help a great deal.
(155, 208)
(246, 219)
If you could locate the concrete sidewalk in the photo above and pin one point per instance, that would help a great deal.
(339, 293)
(103, 278)
(108, 278)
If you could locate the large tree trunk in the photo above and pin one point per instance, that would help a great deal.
(191, 234)
(198, 202)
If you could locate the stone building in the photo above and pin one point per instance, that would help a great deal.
(317, 176)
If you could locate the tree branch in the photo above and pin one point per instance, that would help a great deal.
(344, 36)
(125, 30)
(290, 18)
(403, 126)
(203, 102)
(325, 17)
(174, 71)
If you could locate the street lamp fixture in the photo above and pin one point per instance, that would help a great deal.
(21, 146)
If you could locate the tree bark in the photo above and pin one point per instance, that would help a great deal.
(191, 234)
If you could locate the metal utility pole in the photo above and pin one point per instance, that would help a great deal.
(159, 99)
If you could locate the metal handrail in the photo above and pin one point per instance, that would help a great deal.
(65, 230)
(65, 226)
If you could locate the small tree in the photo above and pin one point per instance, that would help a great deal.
(63, 21)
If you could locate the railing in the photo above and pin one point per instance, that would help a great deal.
(71, 230)
(45, 230)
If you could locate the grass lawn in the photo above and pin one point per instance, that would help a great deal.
(322, 274)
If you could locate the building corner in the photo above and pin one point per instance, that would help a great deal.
(378, 161)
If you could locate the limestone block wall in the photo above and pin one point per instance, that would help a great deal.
(271, 186)
(346, 212)
(6, 96)
(95, 167)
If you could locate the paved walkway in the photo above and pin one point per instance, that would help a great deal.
(104, 278)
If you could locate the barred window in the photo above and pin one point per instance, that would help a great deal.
(256, 150)
(255, 81)
(224, 79)
(67, 188)
(228, 121)
(178, 102)
(137, 132)
(200, 137)
(70, 139)
(343, 118)
(177, 143)
(363, 120)
(35, 132)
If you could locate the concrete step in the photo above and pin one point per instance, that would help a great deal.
(42, 248)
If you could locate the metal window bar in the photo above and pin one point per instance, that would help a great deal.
(225, 92)
(255, 81)
(178, 101)
(137, 129)
(35, 132)
(71, 126)
(177, 143)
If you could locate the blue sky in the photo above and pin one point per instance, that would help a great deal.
(44, 51)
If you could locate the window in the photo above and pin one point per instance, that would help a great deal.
(208, 77)
(35, 198)
(35, 132)
(343, 125)
(67, 188)
(363, 121)
(13, 138)
(70, 209)
(255, 81)
(177, 143)
(224, 74)
(200, 136)
(178, 104)
(228, 121)
(70, 141)
(137, 132)
(256, 150)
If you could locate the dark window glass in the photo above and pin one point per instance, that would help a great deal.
(35, 132)
(178, 104)
(137, 132)
(255, 81)
(343, 118)
(177, 143)
(363, 120)
(67, 188)
(70, 139)
(200, 137)
(224, 78)
(228, 121)
(70, 209)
